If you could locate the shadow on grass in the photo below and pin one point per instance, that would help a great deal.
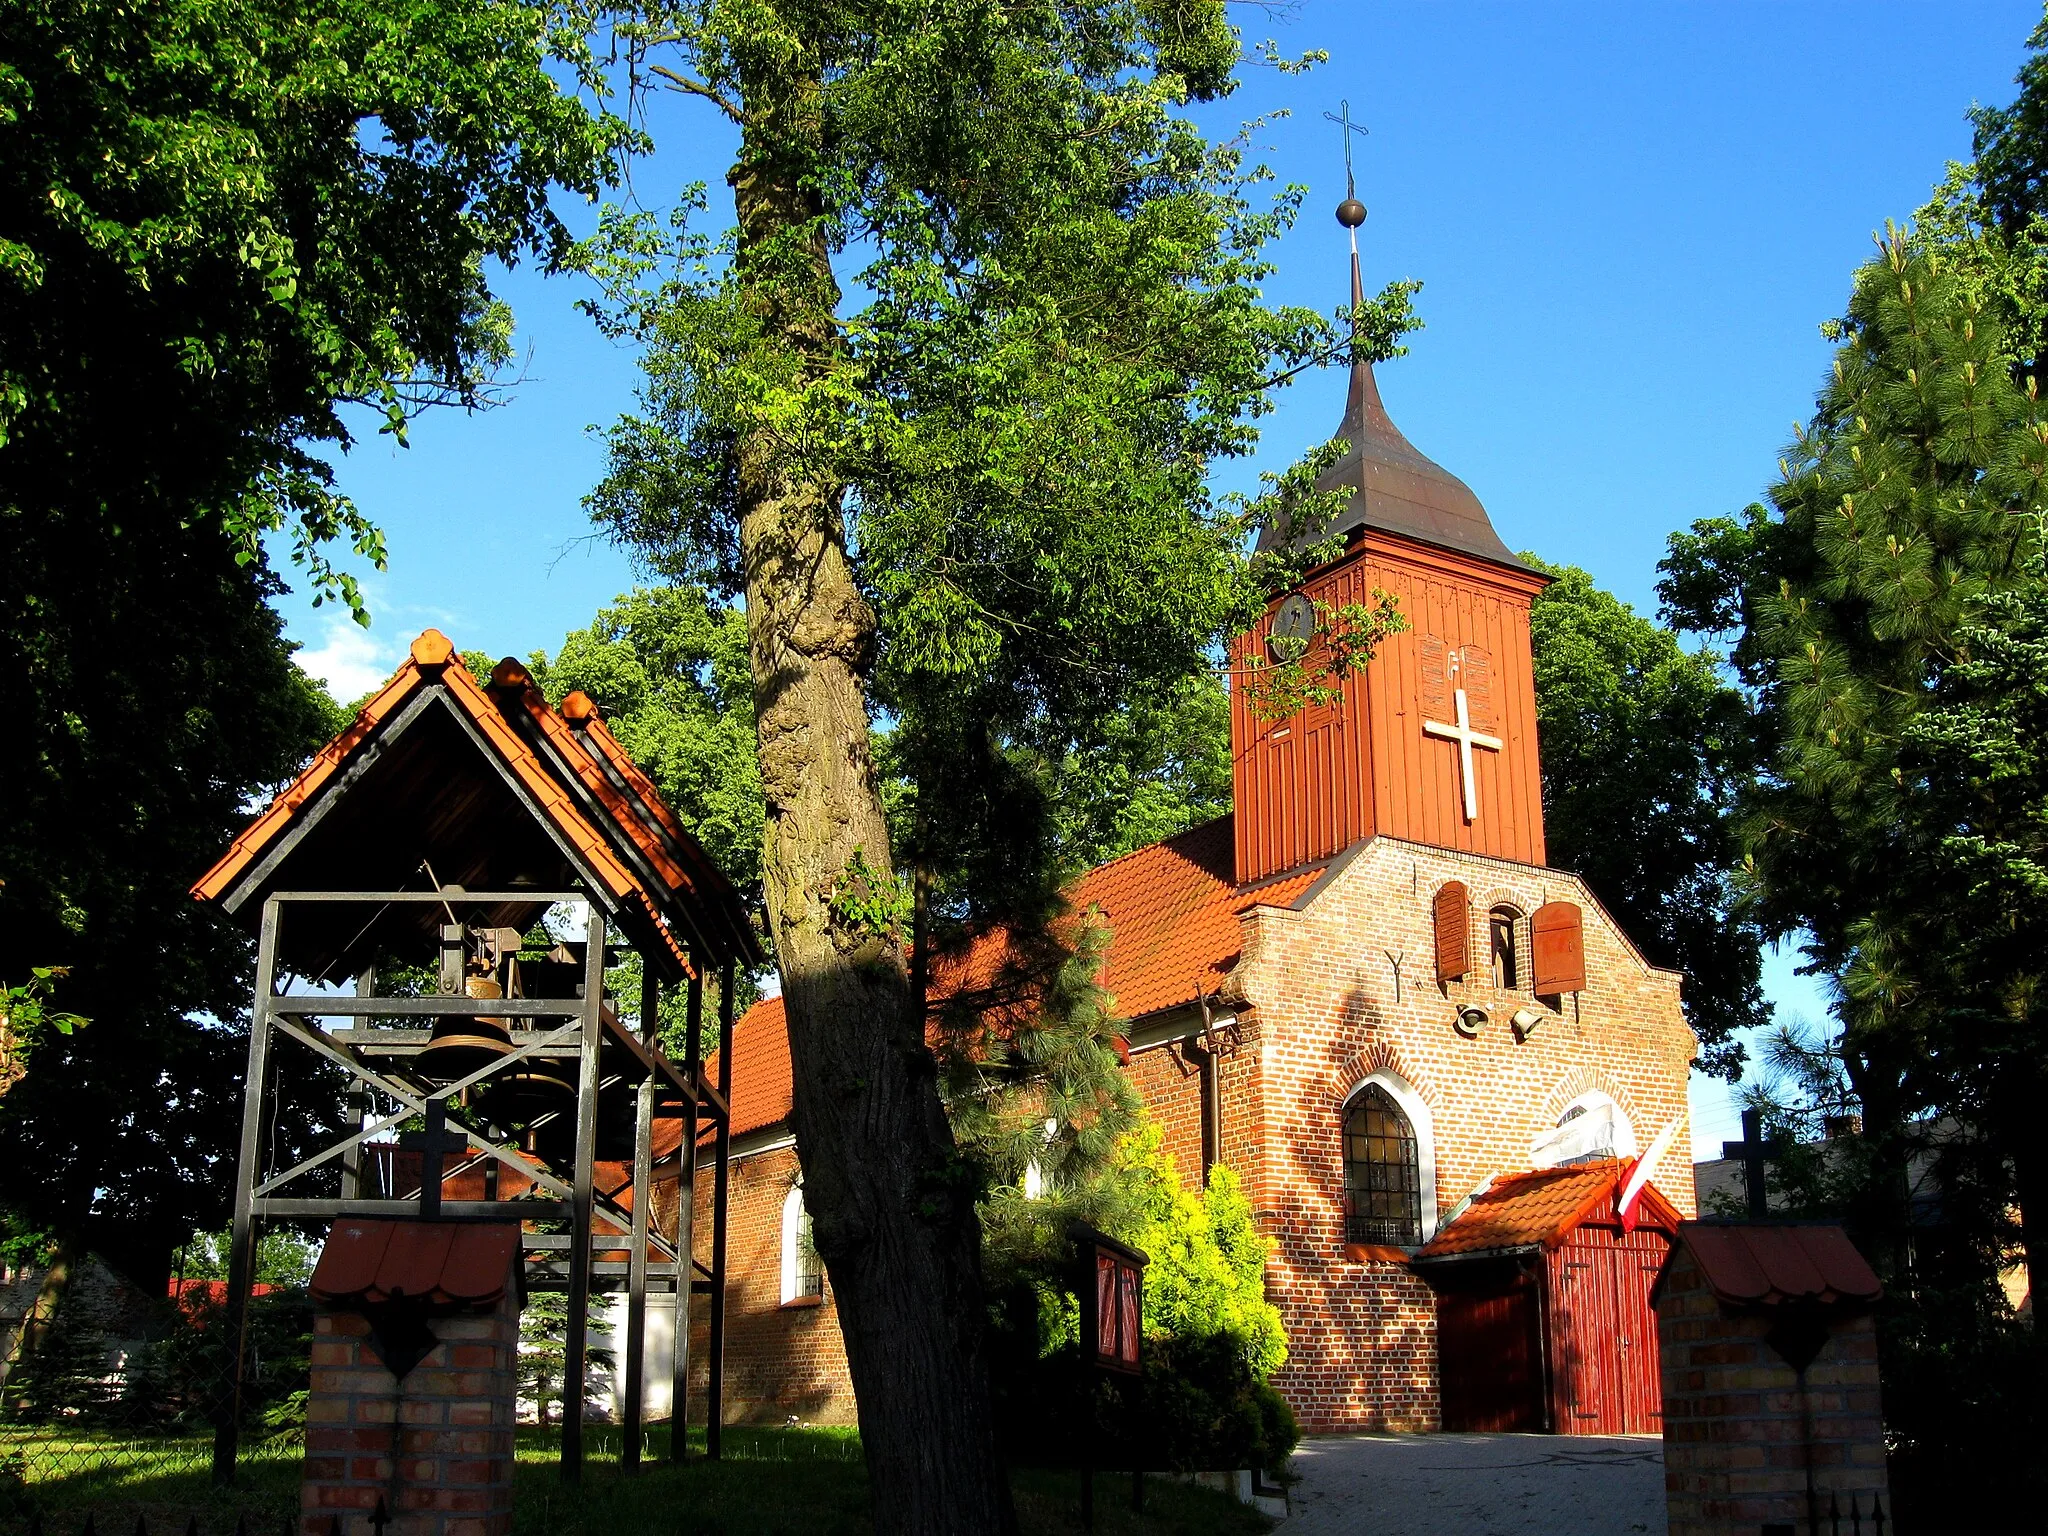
(770, 1482)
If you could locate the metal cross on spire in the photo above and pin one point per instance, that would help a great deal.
(1343, 120)
(1350, 212)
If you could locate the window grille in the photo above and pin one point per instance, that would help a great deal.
(1382, 1173)
(810, 1269)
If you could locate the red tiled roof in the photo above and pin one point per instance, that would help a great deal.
(444, 1262)
(1771, 1264)
(1174, 913)
(760, 1076)
(1540, 1207)
(1175, 931)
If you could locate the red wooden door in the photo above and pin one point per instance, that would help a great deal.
(1603, 1334)
(1578, 1325)
(1489, 1351)
(1636, 1257)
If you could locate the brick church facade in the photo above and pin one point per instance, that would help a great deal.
(1364, 991)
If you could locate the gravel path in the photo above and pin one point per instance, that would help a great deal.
(1478, 1485)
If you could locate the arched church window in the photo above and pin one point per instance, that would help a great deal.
(1592, 1128)
(1500, 927)
(1382, 1172)
(803, 1273)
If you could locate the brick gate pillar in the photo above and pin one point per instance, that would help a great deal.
(415, 1380)
(1769, 1357)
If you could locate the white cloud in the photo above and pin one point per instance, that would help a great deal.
(349, 659)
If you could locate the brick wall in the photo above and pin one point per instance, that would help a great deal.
(1736, 1447)
(780, 1361)
(1318, 1013)
(1321, 982)
(435, 1447)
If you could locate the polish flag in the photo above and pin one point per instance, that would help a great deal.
(1639, 1173)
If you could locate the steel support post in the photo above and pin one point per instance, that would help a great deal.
(575, 1369)
(359, 1105)
(242, 1242)
(686, 1225)
(721, 1187)
(636, 1264)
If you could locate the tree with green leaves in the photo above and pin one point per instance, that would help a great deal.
(1639, 733)
(1912, 496)
(228, 235)
(974, 500)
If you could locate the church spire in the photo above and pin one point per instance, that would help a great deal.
(1396, 488)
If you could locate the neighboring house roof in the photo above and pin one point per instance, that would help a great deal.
(1763, 1264)
(1540, 1208)
(495, 791)
(1174, 914)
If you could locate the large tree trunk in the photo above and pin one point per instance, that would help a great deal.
(1880, 1211)
(892, 1212)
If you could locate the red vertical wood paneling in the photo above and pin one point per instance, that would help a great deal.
(1308, 787)
(1489, 1344)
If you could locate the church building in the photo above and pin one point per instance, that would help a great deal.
(1431, 1058)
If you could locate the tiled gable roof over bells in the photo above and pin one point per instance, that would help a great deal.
(439, 782)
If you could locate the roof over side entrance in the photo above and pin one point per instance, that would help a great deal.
(1540, 1207)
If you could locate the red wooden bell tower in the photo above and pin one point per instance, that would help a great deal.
(1435, 741)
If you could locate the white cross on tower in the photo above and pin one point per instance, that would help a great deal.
(1466, 738)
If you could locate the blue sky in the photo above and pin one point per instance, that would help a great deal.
(1629, 220)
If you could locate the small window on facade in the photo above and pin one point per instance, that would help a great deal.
(803, 1273)
(1382, 1172)
(1500, 925)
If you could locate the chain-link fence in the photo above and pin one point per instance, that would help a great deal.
(110, 1397)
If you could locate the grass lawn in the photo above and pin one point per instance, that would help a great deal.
(771, 1482)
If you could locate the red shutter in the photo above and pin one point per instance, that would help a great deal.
(1105, 1306)
(1453, 931)
(1436, 678)
(1475, 676)
(1556, 934)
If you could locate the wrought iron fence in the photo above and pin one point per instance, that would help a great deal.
(112, 1393)
(1854, 1521)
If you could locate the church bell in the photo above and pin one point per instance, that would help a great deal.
(460, 1046)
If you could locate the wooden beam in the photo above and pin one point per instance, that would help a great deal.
(636, 1272)
(721, 1191)
(686, 1227)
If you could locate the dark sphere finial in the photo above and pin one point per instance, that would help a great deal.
(1351, 213)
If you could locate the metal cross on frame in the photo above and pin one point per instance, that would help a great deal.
(1752, 1151)
(1466, 738)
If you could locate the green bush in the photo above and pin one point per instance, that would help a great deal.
(1211, 1337)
